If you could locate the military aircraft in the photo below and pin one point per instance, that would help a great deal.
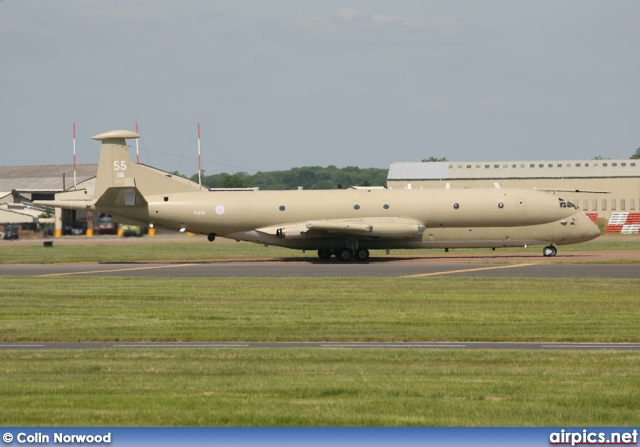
(345, 223)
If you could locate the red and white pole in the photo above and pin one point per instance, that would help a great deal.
(199, 170)
(137, 154)
(75, 184)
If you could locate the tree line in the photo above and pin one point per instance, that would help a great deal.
(308, 177)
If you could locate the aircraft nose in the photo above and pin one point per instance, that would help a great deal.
(587, 229)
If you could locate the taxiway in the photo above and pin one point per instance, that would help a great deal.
(328, 269)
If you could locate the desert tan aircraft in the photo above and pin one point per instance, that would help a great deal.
(346, 223)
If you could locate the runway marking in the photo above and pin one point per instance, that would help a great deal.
(392, 345)
(120, 270)
(20, 345)
(592, 345)
(181, 345)
(450, 272)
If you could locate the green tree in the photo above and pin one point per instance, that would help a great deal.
(309, 177)
(233, 181)
(636, 156)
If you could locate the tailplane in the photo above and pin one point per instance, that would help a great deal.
(120, 178)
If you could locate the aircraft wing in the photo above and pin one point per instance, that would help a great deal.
(583, 191)
(383, 227)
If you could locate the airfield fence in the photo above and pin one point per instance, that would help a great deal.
(623, 223)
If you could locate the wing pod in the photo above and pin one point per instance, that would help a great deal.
(370, 229)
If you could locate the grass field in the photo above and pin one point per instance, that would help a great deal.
(304, 387)
(318, 309)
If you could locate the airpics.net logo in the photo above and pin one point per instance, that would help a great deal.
(57, 438)
(587, 437)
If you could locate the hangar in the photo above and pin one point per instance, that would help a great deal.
(20, 185)
(620, 179)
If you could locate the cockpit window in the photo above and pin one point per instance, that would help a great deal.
(564, 204)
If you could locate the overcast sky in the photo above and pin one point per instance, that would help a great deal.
(287, 83)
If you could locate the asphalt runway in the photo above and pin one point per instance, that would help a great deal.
(325, 345)
(326, 270)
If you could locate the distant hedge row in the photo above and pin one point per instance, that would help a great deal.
(309, 177)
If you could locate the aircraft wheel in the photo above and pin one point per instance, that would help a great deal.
(324, 253)
(211, 237)
(344, 254)
(362, 254)
(549, 250)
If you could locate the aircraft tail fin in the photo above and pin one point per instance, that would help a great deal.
(121, 179)
(115, 168)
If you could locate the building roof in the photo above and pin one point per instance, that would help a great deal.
(514, 169)
(12, 216)
(418, 170)
(43, 178)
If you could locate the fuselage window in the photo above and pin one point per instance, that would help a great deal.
(500, 205)
(356, 207)
(456, 206)
(282, 208)
(385, 206)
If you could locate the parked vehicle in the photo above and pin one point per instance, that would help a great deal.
(10, 232)
(107, 228)
(131, 230)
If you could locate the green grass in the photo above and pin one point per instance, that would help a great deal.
(321, 387)
(318, 309)
(329, 387)
(197, 248)
(117, 250)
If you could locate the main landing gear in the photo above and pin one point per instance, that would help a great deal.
(345, 254)
(549, 250)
